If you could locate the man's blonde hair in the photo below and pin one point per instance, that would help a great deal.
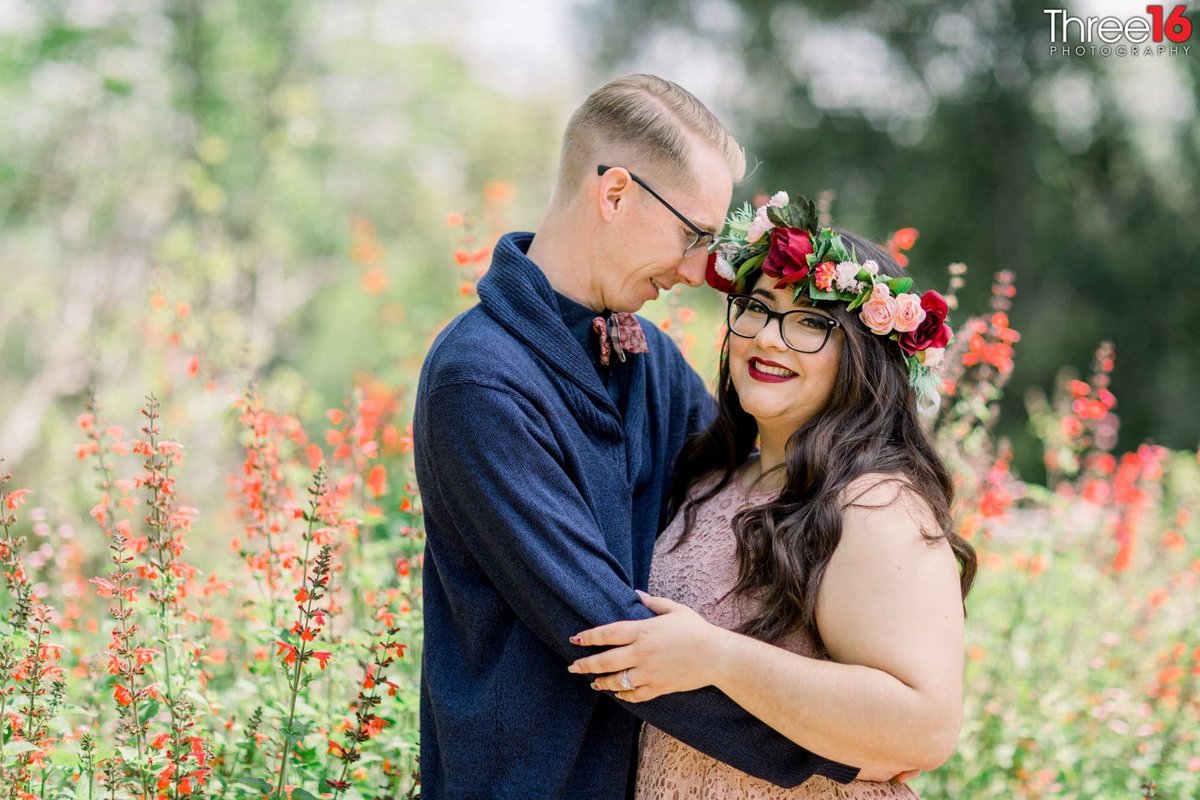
(641, 122)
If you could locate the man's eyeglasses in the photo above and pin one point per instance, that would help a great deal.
(703, 238)
(802, 331)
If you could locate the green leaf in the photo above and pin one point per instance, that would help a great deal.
(118, 87)
(898, 285)
(862, 298)
(147, 712)
(749, 265)
(820, 248)
(303, 794)
(838, 248)
(817, 294)
(259, 784)
(778, 216)
(18, 747)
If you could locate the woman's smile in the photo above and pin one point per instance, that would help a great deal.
(769, 371)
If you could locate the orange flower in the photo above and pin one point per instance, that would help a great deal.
(377, 480)
(374, 281)
(375, 725)
(287, 651)
(322, 657)
(193, 366)
(123, 696)
(905, 238)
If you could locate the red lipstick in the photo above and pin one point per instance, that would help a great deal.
(759, 375)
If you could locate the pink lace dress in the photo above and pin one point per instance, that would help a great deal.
(699, 574)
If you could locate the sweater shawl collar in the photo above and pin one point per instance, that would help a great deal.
(516, 293)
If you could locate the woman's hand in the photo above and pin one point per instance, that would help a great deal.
(677, 651)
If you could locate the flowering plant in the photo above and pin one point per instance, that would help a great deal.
(781, 239)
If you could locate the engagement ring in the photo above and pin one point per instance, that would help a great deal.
(626, 684)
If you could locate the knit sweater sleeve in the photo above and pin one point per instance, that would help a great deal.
(494, 459)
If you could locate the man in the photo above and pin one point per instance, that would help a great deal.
(545, 433)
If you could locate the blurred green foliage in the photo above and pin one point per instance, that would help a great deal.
(195, 171)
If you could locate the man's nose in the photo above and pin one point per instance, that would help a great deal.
(691, 269)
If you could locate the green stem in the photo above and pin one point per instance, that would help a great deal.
(295, 682)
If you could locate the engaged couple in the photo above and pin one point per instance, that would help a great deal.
(636, 589)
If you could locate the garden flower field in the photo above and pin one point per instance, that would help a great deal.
(268, 645)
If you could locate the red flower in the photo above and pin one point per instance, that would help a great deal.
(786, 258)
(124, 696)
(714, 279)
(15, 498)
(322, 657)
(933, 330)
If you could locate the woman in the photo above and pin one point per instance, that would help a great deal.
(826, 578)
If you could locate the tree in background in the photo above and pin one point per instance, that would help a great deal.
(1076, 172)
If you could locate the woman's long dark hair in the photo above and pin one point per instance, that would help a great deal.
(870, 425)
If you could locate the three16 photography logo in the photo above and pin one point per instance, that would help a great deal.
(1162, 31)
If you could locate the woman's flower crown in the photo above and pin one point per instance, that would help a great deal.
(781, 239)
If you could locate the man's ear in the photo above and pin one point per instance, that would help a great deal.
(614, 193)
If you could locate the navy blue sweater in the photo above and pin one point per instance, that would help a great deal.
(542, 503)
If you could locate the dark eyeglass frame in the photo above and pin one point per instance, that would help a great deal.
(830, 322)
(703, 238)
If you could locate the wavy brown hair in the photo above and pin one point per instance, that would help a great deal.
(870, 425)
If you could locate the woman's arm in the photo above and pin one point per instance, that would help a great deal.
(890, 614)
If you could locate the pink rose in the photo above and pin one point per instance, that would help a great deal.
(786, 258)
(933, 330)
(879, 312)
(909, 313)
(759, 226)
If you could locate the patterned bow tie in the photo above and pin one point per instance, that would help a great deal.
(620, 333)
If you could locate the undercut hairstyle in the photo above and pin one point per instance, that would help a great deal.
(641, 122)
(869, 428)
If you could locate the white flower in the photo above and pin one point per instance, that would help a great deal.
(845, 275)
(871, 267)
(933, 356)
(759, 226)
(779, 200)
(724, 268)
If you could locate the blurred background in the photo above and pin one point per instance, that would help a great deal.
(223, 158)
(286, 200)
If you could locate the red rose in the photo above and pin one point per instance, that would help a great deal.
(714, 279)
(933, 330)
(786, 258)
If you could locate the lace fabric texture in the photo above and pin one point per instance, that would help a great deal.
(699, 574)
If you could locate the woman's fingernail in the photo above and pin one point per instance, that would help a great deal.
(572, 668)
(595, 686)
(575, 640)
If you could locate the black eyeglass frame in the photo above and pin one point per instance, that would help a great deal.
(701, 234)
(830, 323)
